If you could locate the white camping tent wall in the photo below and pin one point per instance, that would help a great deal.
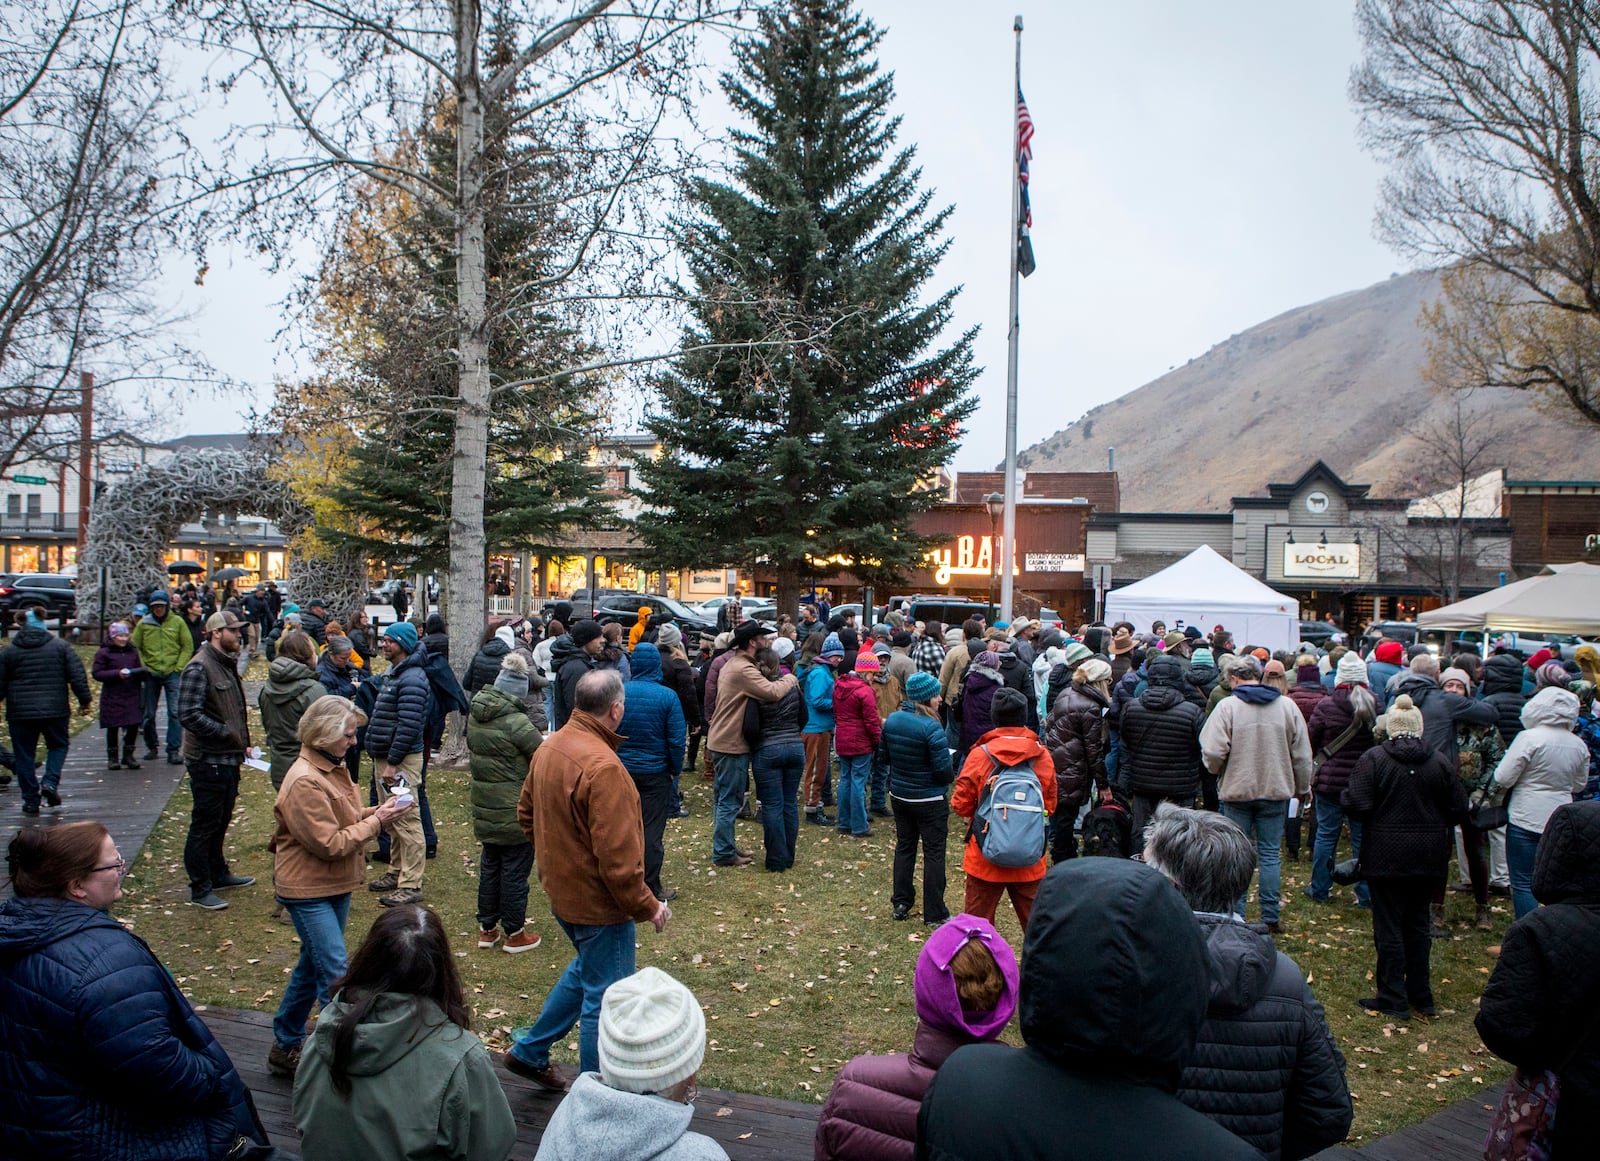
(1204, 589)
(1563, 599)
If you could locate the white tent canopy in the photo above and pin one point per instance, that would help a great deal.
(1204, 589)
(1564, 599)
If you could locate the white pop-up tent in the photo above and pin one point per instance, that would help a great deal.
(1204, 589)
(1565, 598)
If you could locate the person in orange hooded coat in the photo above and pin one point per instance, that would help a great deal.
(1014, 743)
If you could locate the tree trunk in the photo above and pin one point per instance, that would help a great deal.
(789, 590)
(466, 610)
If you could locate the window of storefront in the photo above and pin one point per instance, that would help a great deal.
(22, 558)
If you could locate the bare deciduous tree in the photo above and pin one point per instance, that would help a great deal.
(346, 78)
(1488, 113)
(1436, 539)
(86, 132)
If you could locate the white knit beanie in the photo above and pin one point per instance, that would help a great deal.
(1351, 671)
(652, 1033)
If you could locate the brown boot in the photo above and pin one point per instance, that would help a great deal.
(1436, 917)
(1485, 921)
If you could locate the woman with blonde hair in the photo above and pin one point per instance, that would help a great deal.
(322, 832)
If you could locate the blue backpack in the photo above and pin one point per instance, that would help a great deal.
(1011, 823)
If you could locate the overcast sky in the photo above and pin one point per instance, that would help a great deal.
(1195, 172)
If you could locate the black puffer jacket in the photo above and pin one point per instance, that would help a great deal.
(1115, 980)
(1265, 1066)
(316, 626)
(1329, 720)
(400, 714)
(1161, 735)
(1407, 797)
(1502, 688)
(35, 673)
(1018, 675)
(1439, 711)
(569, 663)
(485, 665)
(1539, 1009)
(1075, 734)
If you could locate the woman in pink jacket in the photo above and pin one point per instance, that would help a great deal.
(966, 990)
(856, 732)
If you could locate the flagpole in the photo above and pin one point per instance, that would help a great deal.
(1006, 550)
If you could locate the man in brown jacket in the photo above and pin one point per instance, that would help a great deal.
(730, 753)
(580, 809)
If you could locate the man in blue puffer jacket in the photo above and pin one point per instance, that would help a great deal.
(653, 735)
(102, 1055)
(395, 736)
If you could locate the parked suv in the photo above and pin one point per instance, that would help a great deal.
(624, 610)
(57, 592)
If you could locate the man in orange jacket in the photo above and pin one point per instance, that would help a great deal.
(1012, 742)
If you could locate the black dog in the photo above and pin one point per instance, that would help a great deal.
(1108, 831)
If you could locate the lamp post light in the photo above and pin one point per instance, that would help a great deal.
(994, 504)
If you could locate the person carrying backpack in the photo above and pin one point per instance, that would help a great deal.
(1006, 791)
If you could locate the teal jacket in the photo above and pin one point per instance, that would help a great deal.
(419, 1092)
(501, 740)
(817, 688)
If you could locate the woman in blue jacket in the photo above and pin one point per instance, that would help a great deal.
(920, 774)
(103, 1055)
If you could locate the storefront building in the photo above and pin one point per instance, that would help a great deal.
(1339, 551)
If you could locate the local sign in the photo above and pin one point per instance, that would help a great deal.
(1334, 561)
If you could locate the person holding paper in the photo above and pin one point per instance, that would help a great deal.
(322, 830)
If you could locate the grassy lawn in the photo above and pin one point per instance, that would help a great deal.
(797, 973)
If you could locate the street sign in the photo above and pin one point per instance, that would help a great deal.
(29, 480)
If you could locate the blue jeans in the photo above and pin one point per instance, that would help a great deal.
(605, 955)
(1263, 819)
(1522, 848)
(1330, 820)
(733, 771)
(854, 771)
(320, 925)
(778, 770)
(25, 735)
(154, 683)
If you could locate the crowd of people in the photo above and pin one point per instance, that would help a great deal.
(1125, 789)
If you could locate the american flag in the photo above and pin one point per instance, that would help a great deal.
(1025, 263)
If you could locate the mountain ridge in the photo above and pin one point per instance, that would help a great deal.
(1339, 380)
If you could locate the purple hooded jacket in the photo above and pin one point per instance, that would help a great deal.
(121, 698)
(871, 1113)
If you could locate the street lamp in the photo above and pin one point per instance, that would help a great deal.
(994, 504)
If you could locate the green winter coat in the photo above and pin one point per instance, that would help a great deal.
(164, 646)
(502, 741)
(291, 687)
(418, 1092)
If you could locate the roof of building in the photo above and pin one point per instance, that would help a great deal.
(1098, 488)
(233, 441)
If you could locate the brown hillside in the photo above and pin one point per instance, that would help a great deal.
(1337, 380)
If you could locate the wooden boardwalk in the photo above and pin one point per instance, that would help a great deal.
(750, 1128)
(127, 802)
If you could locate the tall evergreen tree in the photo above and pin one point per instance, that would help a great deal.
(812, 396)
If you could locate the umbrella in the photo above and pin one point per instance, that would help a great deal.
(186, 567)
(228, 574)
